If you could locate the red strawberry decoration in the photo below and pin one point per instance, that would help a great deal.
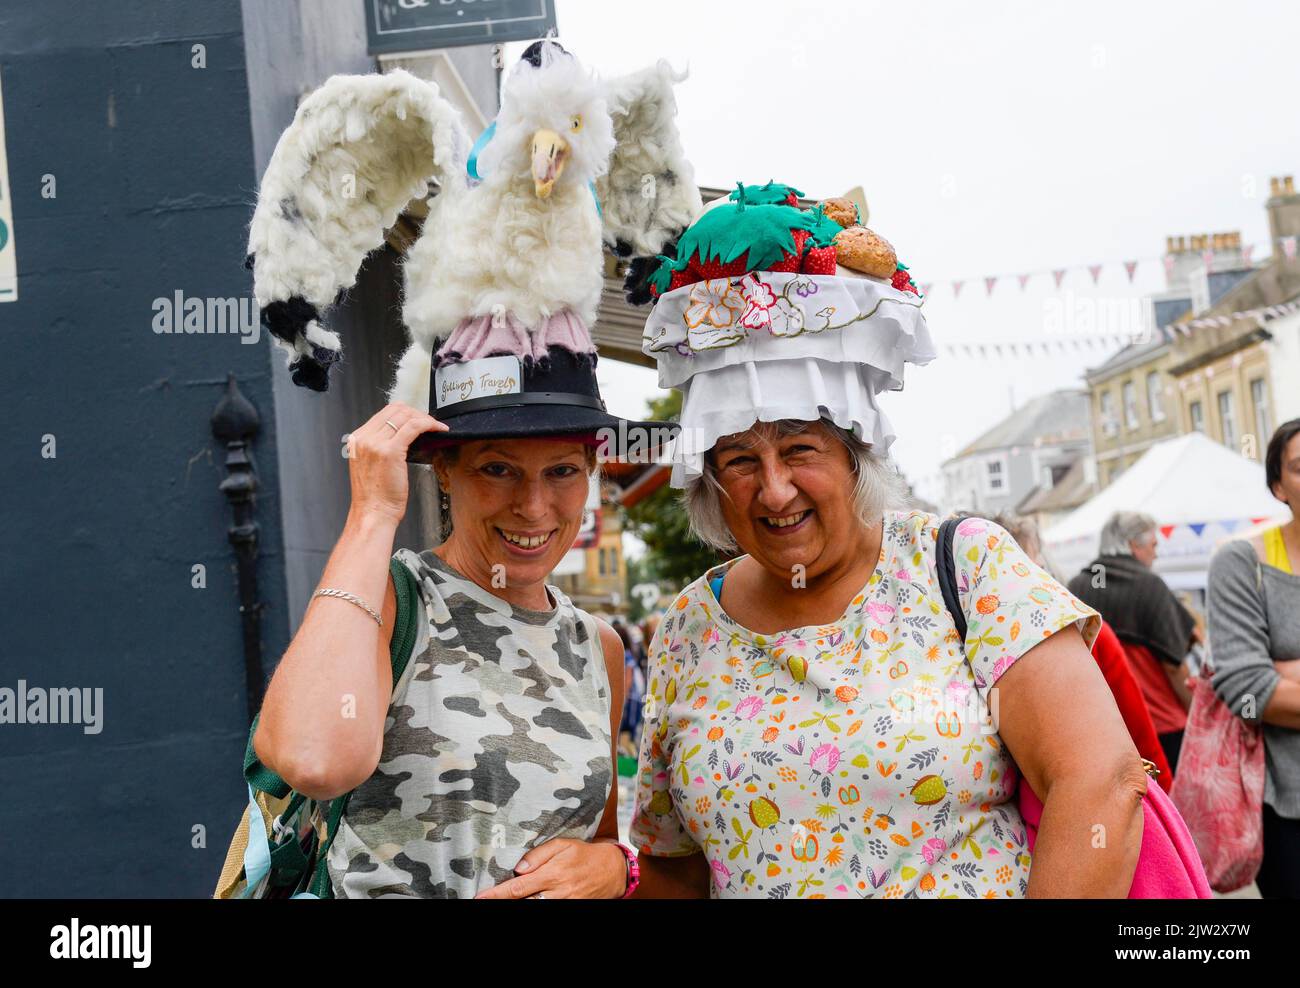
(678, 279)
(708, 270)
(790, 262)
(819, 260)
(903, 281)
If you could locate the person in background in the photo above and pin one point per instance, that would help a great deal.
(1156, 630)
(1254, 631)
(1110, 657)
(633, 690)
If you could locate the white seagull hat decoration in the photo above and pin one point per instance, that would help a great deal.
(510, 263)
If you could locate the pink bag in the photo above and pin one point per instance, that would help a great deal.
(1219, 787)
(1168, 866)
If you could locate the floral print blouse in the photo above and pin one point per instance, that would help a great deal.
(856, 759)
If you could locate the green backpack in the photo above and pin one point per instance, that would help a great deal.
(280, 848)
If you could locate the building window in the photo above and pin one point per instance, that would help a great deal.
(602, 562)
(1109, 427)
(995, 476)
(1130, 406)
(1197, 414)
(1259, 398)
(1154, 404)
(1227, 422)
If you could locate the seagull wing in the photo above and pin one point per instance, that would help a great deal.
(360, 148)
(649, 194)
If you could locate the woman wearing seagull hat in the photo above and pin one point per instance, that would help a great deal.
(816, 726)
(487, 769)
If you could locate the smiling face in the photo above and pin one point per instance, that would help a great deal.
(788, 499)
(516, 507)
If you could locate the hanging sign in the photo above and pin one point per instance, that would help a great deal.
(417, 25)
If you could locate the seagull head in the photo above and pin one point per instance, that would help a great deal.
(554, 125)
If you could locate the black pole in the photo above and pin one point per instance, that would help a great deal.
(235, 422)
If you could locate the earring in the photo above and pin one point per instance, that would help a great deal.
(444, 514)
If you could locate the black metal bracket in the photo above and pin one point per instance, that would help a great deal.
(235, 423)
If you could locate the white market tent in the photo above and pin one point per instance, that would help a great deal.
(1199, 492)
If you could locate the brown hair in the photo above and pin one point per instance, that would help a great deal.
(1276, 448)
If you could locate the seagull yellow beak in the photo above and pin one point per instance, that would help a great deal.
(550, 151)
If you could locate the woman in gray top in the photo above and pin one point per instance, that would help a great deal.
(487, 770)
(493, 754)
(1254, 629)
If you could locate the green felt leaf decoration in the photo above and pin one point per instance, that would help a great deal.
(756, 221)
(768, 194)
(662, 276)
(726, 232)
(823, 229)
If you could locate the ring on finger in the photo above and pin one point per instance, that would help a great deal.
(391, 426)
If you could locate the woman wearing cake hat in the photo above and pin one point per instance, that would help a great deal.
(815, 728)
(487, 770)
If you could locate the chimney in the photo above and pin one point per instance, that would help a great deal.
(1188, 253)
(1283, 209)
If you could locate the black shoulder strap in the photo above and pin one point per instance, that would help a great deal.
(946, 565)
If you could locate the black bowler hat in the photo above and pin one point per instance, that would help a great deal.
(508, 397)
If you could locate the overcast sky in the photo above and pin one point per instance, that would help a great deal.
(991, 139)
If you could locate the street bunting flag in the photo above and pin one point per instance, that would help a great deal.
(1287, 245)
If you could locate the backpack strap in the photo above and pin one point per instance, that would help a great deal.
(945, 563)
(302, 867)
(405, 628)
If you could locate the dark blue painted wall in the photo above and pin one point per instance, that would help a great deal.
(155, 173)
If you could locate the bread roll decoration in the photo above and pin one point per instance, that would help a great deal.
(859, 249)
(842, 211)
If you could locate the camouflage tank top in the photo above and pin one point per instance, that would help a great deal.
(497, 740)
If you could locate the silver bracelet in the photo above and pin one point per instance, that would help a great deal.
(352, 598)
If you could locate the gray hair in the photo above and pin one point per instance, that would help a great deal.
(877, 486)
(1120, 529)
